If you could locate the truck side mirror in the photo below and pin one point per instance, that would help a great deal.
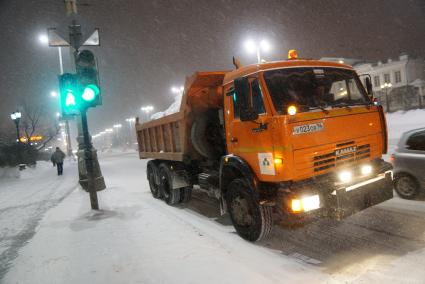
(246, 111)
(369, 87)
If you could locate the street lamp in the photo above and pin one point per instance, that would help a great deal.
(16, 117)
(385, 87)
(147, 110)
(255, 47)
(43, 39)
(177, 90)
(130, 127)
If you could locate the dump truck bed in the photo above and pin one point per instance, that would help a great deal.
(168, 137)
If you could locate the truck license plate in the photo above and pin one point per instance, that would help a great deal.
(308, 128)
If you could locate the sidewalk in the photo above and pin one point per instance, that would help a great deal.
(137, 239)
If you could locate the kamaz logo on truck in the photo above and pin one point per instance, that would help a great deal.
(344, 151)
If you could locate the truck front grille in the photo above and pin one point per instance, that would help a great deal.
(347, 154)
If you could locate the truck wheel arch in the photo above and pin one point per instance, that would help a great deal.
(232, 167)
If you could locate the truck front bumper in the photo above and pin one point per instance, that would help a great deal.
(342, 201)
(346, 201)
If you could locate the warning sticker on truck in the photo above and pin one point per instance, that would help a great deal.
(265, 161)
(307, 128)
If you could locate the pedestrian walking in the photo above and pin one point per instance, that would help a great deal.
(57, 158)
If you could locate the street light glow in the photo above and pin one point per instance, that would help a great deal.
(177, 90)
(43, 39)
(54, 94)
(255, 47)
(265, 46)
(147, 109)
(15, 115)
(386, 85)
(250, 46)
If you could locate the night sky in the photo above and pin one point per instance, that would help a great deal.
(148, 46)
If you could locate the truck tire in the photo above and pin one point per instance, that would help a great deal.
(406, 186)
(153, 178)
(170, 195)
(185, 194)
(251, 220)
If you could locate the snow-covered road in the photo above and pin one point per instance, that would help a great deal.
(138, 239)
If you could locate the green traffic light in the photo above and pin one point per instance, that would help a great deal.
(90, 92)
(70, 99)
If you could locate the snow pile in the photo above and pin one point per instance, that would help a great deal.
(9, 172)
(33, 172)
(402, 121)
(173, 108)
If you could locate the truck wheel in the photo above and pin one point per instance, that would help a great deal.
(152, 175)
(171, 196)
(185, 194)
(406, 186)
(251, 220)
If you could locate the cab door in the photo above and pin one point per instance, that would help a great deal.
(251, 140)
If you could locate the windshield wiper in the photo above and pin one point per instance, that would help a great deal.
(341, 105)
(348, 106)
(319, 107)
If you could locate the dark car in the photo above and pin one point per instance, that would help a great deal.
(409, 164)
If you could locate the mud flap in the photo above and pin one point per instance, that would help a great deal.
(347, 201)
(223, 206)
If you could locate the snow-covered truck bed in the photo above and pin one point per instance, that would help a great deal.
(167, 137)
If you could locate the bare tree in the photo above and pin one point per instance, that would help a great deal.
(36, 121)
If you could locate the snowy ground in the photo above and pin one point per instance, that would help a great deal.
(23, 203)
(46, 238)
(399, 122)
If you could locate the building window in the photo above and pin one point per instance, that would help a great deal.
(397, 75)
(376, 81)
(387, 78)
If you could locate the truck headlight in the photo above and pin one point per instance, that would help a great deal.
(366, 170)
(345, 176)
(305, 204)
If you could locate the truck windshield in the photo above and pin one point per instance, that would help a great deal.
(314, 88)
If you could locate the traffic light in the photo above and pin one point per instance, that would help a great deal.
(69, 94)
(88, 79)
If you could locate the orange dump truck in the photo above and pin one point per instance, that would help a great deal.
(277, 141)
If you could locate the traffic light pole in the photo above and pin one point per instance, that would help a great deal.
(68, 139)
(89, 161)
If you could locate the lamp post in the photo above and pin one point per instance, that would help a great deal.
(16, 117)
(385, 87)
(130, 121)
(117, 127)
(45, 40)
(256, 47)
